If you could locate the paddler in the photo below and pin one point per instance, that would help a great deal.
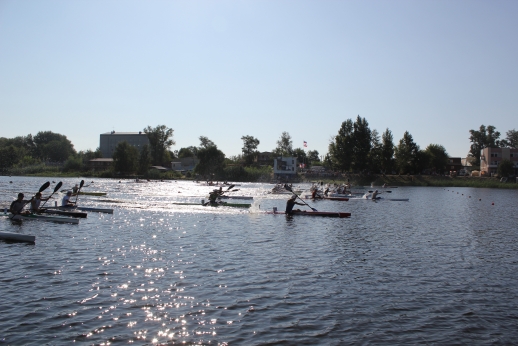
(18, 204)
(65, 202)
(291, 203)
(35, 202)
(375, 194)
(214, 195)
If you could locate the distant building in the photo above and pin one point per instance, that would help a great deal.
(284, 167)
(454, 164)
(264, 158)
(109, 140)
(185, 164)
(100, 164)
(490, 158)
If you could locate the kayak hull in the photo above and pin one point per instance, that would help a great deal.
(77, 214)
(312, 213)
(96, 210)
(38, 217)
(224, 204)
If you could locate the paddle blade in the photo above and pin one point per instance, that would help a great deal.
(287, 187)
(58, 186)
(82, 183)
(44, 186)
(230, 187)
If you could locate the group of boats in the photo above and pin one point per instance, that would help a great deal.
(72, 214)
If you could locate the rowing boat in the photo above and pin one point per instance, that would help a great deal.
(38, 217)
(329, 198)
(70, 213)
(311, 213)
(96, 210)
(222, 204)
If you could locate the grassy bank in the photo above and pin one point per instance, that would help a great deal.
(423, 180)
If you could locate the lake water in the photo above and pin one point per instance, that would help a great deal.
(438, 269)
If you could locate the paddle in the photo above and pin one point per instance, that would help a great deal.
(220, 194)
(287, 187)
(42, 188)
(80, 186)
(58, 186)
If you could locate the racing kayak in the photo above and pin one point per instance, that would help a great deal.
(236, 197)
(88, 193)
(329, 198)
(38, 217)
(96, 210)
(17, 237)
(222, 204)
(312, 213)
(70, 213)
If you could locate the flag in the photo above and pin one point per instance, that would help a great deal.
(305, 144)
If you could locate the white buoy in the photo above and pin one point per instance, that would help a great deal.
(17, 237)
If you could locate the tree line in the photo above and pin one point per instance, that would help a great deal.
(355, 148)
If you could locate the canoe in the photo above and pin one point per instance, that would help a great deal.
(96, 210)
(329, 198)
(17, 237)
(236, 197)
(38, 217)
(69, 213)
(88, 193)
(222, 204)
(312, 213)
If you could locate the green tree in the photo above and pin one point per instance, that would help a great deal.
(212, 162)
(206, 143)
(361, 143)
(511, 140)
(144, 159)
(187, 152)
(300, 154)
(341, 149)
(375, 154)
(284, 145)
(437, 158)
(160, 140)
(387, 151)
(125, 158)
(249, 149)
(485, 137)
(406, 154)
(73, 164)
(505, 168)
(313, 156)
(8, 157)
(50, 146)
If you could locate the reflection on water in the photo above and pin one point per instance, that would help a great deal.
(438, 269)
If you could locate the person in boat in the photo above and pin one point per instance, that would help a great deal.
(18, 204)
(66, 202)
(214, 195)
(375, 195)
(384, 185)
(75, 188)
(315, 195)
(36, 201)
(291, 203)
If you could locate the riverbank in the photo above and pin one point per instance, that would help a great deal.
(423, 180)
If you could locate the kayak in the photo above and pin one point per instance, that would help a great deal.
(38, 217)
(222, 204)
(312, 213)
(381, 199)
(329, 198)
(88, 193)
(17, 237)
(70, 213)
(96, 210)
(236, 197)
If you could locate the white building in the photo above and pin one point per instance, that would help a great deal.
(109, 140)
(284, 167)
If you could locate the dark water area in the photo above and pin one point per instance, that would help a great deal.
(437, 269)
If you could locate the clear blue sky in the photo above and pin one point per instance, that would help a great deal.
(225, 69)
